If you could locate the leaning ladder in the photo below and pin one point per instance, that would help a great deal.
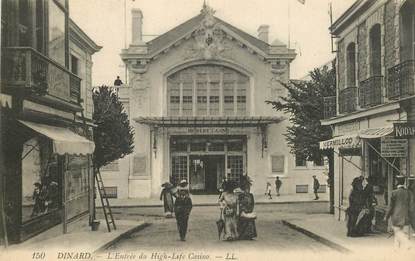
(104, 201)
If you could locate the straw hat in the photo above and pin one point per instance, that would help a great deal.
(183, 183)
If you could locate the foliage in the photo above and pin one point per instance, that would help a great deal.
(305, 105)
(113, 135)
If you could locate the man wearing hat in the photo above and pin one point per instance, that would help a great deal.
(316, 186)
(182, 208)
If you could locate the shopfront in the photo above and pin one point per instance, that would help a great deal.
(374, 154)
(48, 178)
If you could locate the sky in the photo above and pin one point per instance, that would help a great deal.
(103, 21)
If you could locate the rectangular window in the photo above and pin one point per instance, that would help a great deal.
(201, 99)
(229, 99)
(187, 99)
(179, 169)
(214, 99)
(111, 192)
(57, 49)
(277, 163)
(241, 99)
(74, 65)
(174, 99)
(301, 188)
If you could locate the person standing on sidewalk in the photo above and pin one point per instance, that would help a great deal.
(268, 190)
(316, 186)
(398, 212)
(278, 184)
(182, 208)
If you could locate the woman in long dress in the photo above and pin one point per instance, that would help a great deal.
(167, 197)
(356, 204)
(246, 223)
(229, 207)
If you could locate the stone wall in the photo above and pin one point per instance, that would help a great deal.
(390, 34)
(363, 53)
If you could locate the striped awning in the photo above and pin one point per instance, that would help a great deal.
(354, 140)
(375, 132)
(197, 121)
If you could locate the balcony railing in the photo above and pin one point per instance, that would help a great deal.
(348, 100)
(401, 80)
(329, 107)
(370, 92)
(27, 68)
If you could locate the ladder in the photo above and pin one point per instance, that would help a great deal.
(104, 201)
(101, 188)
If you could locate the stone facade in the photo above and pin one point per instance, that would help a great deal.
(366, 160)
(205, 41)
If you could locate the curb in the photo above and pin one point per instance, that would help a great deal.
(318, 238)
(122, 236)
(216, 204)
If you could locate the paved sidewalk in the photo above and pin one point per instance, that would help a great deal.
(211, 200)
(82, 240)
(332, 232)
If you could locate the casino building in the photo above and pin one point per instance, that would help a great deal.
(196, 98)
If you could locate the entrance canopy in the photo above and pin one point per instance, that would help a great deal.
(64, 140)
(354, 140)
(242, 121)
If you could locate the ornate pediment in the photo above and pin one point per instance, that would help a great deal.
(208, 40)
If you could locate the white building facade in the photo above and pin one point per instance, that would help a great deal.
(196, 99)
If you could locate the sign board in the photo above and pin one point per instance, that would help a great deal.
(341, 142)
(404, 130)
(391, 147)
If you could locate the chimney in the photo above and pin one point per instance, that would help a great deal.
(263, 31)
(137, 26)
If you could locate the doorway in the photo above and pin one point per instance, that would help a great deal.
(206, 173)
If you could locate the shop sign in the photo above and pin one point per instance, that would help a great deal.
(206, 130)
(404, 130)
(341, 142)
(393, 148)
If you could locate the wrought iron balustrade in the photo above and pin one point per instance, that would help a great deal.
(348, 100)
(370, 92)
(24, 67)
(401, 80)
(329, 107)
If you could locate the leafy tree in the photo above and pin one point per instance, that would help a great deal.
(113, 135)
(305, 105)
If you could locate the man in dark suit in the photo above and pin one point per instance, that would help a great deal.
(316, 186)
(398, 212)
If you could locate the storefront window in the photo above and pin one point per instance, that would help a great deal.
(56, 33)
(77, 185)
(40, 179)
(378, 172)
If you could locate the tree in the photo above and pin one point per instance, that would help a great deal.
(305, 105)
(113, 135)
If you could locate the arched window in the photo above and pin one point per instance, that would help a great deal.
(407, 32)
(351, 65)
(375, 51)
(207, 90)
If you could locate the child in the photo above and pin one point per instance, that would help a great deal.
(268, 190)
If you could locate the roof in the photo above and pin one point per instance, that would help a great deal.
(351, 13)
(80, 37)
(181, 30)
(234, 121)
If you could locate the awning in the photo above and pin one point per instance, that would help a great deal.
(64, 140)
(203, 121)
(375, 132)
(354, 140)
(345, 141)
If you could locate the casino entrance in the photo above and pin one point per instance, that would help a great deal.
(205, 161)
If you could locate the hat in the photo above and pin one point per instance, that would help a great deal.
(314, 176)
(183, 183)
(166, 185)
